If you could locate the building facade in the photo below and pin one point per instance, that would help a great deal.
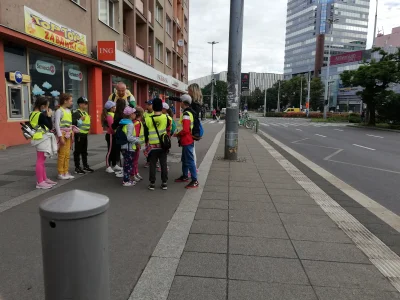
(85, 47)
(307, 24)
(261, 80)
(388, 40)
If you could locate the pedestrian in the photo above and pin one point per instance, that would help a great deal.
(81, 119)
(202, 113)
(118, 116)
(155, 127)
(128, 149)
(107, 118)
(214, 114)
(63, 127)
(40, 120)
(123, 93)
(187, 144)
(139, 130)
(218, 114)
(173, 110)
(148, 113)
(363, 116)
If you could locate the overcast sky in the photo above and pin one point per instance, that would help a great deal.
(263, 34)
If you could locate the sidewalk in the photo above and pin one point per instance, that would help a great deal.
(257, 234)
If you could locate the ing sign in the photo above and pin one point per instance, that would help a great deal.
(106, 50)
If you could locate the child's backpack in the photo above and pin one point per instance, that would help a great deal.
(197, 130)
(120, 136)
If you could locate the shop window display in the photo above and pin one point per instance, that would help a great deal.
(75, 79)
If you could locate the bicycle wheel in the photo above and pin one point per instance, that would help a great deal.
(249, 124)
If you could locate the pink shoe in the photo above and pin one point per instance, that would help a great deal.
(43, 185)
(51, 182)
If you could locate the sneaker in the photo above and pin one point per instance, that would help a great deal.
(146, 165)
(151, 186)
(51, 182)
(129, 183)
(119, 174)
(79, 171)
(158, 169)
(182, 179)
(88, 169)
(69, 176)
(62, 177)
(43, 185)
(117, 168)
(194, 184)
(109, 170)
(138, 176)
(135, 178)
(164, 186)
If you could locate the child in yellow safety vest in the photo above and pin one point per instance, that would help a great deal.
(139, 130)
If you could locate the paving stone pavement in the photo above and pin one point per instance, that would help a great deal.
(258, 235)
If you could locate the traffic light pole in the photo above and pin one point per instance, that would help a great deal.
(234, 79)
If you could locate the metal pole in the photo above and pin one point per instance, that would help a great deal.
(234, 82)
(212, 74)
(308, 92)
(265, 100)
(278, 105)
(326, 101)
(376, 21)
(301, 91)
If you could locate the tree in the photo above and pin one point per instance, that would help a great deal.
(316, 92)
(220, 94)
(390, 109)
(256, 99)
(375, 77)
(293, 90)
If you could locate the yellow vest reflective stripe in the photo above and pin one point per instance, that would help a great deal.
(125, 129)
(85, 127)
(34, 121)
(141, 133)
(111, 114)
(66, 120)
(161, 122)
(191, 120)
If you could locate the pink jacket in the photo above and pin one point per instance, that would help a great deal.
(110, 121)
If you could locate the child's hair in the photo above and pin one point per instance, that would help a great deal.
(139, 112)
(64, 97)
(40, 101)
(170, 113)
(195, 91)
(119, 109)
(104, 115)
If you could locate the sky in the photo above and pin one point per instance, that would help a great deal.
(263, 33)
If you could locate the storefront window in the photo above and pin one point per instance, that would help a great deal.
(75, 80)
(15, 58)
(116, 79)
(46, 76)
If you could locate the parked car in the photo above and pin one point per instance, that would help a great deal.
(292, 109)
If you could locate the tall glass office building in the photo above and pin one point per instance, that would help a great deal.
(308, 19)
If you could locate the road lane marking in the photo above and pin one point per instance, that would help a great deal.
(367, 167)
(364, 147)
(338, 129)
(321, 135)
(381, 256)
(333, 154)
(161, 268)
(377, 136)
(299, 129)
(300, 141)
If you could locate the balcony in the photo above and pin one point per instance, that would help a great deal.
(149, 60)
(127, 44)
(149, 17)
(139, 52)
(139, 6)
(173, 45)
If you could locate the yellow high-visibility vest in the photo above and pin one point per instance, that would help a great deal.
(162, 123)
(85, 123)
(34, 120)
(66, 120)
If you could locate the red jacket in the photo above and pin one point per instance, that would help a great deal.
(186, 133)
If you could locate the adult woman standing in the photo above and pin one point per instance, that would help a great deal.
(63, 126)
(118, 116)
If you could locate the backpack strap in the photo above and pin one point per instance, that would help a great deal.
(113, 97)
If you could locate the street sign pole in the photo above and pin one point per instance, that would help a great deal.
(234, 79)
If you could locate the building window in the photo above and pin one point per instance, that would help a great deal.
(168, 58)
(159, 50)
(159, 13)
(186, 24)
(77, 1)
(75, 80)
(185, 48)
(106, 12)
(168, 25)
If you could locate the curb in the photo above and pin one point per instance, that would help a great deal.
(374, 128)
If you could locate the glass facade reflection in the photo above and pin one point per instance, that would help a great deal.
(306, 19)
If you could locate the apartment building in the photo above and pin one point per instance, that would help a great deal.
(84, 47)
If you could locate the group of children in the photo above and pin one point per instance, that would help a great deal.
(69, 128)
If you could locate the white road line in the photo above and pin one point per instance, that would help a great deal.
(265, 124)
(321, 135)
(299, 140)
(377, 136)
(338, 129)
(364, 147)
(333, 154)
(383, 258)
(299, 129)
(367, 167)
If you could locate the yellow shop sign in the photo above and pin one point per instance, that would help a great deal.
(46, 29)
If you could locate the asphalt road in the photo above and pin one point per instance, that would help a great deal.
(368, 160)
(137, 219)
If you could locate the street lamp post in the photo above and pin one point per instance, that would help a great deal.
(265, 101)
(326, 101)
(234, 82)
(278, 105)
(212, 73)
(308, 92)
(301, 91)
